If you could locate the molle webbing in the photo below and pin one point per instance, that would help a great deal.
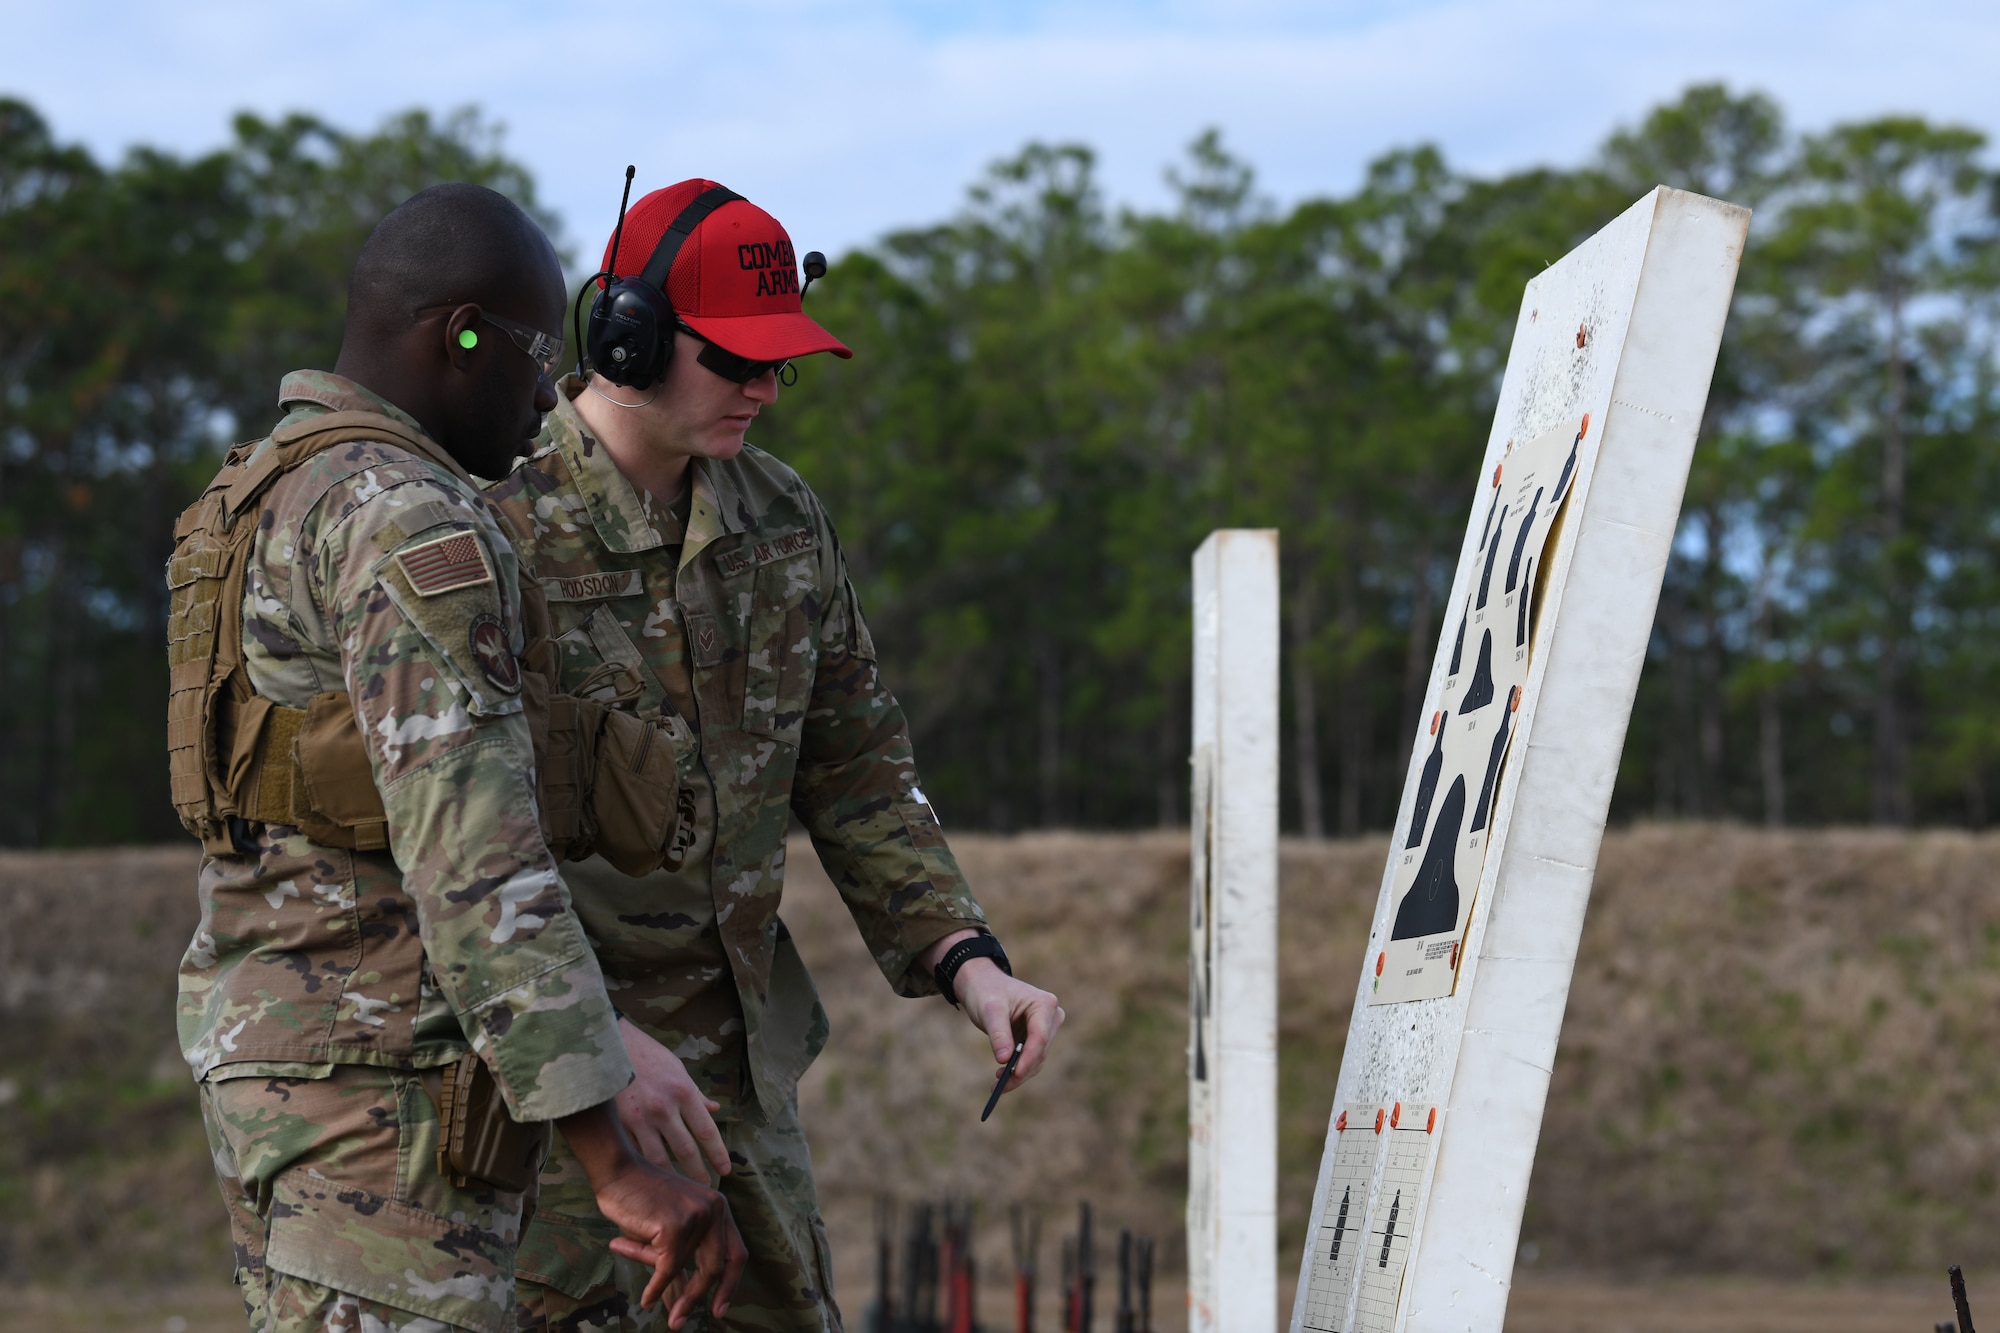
(218, 729)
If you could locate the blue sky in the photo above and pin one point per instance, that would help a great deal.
(850, 119)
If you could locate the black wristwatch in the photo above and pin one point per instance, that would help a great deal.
(963, 952)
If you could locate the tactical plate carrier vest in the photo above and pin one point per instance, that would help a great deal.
(607, 781)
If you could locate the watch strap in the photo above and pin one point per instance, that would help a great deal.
(961, 953)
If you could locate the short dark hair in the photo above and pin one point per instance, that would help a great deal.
(447, 244)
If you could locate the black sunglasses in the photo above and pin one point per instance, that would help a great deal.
(738, 369)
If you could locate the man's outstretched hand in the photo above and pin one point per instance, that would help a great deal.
(669, 1221)
(1005, 1009)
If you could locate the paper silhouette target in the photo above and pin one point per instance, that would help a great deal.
(1469, 728)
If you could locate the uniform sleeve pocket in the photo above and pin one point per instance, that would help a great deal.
(926, 834)
(457, 610)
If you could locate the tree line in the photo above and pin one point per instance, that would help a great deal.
(1053, 400)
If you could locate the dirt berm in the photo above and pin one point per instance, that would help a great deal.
(1778, 1058)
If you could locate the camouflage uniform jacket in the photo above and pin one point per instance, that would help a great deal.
(309, 956)
(746, 629)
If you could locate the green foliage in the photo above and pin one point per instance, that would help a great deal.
(147, 311)
(1053, 401)
(1051, 405)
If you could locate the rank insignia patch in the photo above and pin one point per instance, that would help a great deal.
(445, 564)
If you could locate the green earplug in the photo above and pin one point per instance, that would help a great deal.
(468, 339)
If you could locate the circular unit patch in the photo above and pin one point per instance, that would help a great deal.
(488, 641)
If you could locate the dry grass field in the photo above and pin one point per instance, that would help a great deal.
(1777, 1104)
(1539, 1306)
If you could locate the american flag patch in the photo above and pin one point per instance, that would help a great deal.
(450, 562)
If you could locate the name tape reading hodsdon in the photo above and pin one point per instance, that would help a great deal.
(594, 587)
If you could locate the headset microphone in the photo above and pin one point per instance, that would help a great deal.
(625, 319)
(632, 320)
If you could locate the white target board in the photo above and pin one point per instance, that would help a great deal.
(1232, 1211)
(1475, 934)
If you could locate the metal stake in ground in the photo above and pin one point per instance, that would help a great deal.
(1958, 1301)
(885, 1264)
(1072, 1293)
(1086, 1270)
(1125, 1281)
(1026, 1229)
(1145, 1284)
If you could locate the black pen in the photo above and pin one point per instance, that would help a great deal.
(1000, 1084)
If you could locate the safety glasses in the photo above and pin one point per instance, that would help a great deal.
(738, 369)
(544, 349)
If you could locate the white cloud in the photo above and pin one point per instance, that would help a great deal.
(848, 120)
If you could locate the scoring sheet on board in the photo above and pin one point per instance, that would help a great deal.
(1469, 727)
(1409, 1152)
(1337, 1242)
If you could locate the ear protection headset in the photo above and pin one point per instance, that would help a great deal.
(631, 320)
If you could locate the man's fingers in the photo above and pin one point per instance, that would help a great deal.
(635, 1251)
(708, 1262)
(656, 1284)
(718, 1263)
(654, 1146)
(666, 1252)
(738, 1259)
(996, 1019)
(687, 1156)
(654, 1258)
(699, 1117)
(1044, 1017)
(712, 1147)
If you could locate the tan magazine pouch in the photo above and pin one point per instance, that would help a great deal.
(609, 785)
(341, 808)
(478, 1142)
(636, 794)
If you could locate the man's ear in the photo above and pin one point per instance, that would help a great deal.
(462, 337)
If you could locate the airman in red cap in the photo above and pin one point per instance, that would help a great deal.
(696, 580)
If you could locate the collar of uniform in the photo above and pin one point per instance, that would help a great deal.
(616, 510)
(306, 393)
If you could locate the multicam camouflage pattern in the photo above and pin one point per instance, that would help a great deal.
(337, 1220)
(568, 1282)
(745, 631)
(310, 956)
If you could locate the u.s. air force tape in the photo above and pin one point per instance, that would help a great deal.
(445, 564)
(796, 542)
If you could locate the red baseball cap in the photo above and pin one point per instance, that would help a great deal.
(736, 279)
